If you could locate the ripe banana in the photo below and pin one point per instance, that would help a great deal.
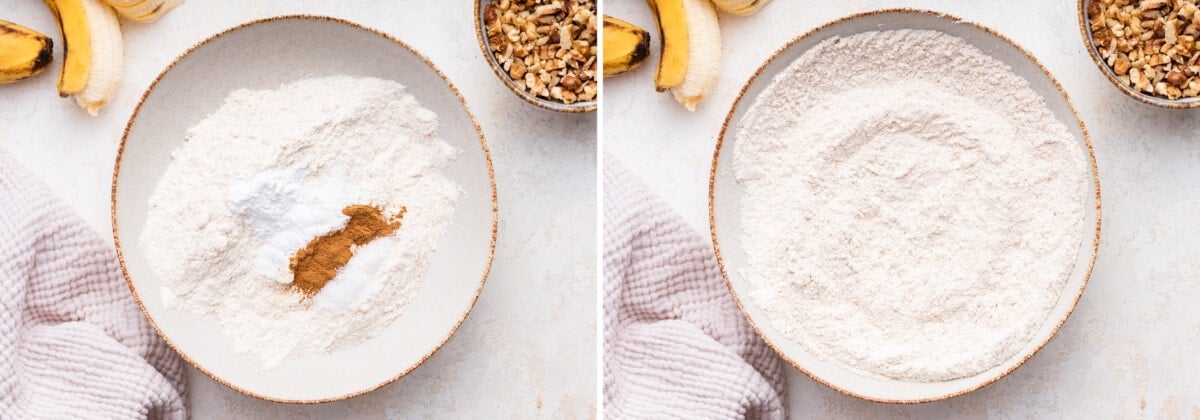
(142, 10)
(740, 7)
(24, 52)
(92, 52)
(674, 40)
(625, 46)
(691, 49)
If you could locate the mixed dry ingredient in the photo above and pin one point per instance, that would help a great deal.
(319, 261)
(302, 218)
(547, 47)
(1149, 44)
(912, 208)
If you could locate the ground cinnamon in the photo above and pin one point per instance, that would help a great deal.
(319, 261)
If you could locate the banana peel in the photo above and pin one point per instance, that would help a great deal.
(626, 46)
(142, 10)
(740, 7)
(24, 52)
(92, 52)
(691, 49)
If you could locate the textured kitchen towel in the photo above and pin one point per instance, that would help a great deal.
(675, 344)
(73, 343)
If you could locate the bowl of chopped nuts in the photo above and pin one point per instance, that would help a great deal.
(544, 51)
(1146, 48)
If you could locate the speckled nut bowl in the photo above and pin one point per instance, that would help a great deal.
(540, 102)
(1090, 42)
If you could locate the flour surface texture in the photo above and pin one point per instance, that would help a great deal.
(912, 208)
(270, 170)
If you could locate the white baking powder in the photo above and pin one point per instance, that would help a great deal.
(912, 208)
(284, 212)
(272, 169)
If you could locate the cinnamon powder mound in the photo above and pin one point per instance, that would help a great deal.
(319, 261)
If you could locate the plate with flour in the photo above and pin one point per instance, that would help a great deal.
(304, 208)
(905, 205)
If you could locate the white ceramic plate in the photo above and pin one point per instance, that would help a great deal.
(725, 193)
(265, 54)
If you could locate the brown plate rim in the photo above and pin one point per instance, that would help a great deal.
(712, 201)
(303, 17)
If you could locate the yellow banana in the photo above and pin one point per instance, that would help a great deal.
(24, 52)
(142, 10)
(92, 52)
(673, 38)
(691, 44)
(625, 46)
(740, 7)
(77, 45)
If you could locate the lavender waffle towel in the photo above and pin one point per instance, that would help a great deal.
(73, 343)
(675, 344)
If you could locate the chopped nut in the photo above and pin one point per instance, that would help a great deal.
(564, 37)
(490, 14)
(517, 71)
(1150, 45)
(1121, 65)
(1173, 92)
(571, 82)
(547, 47)
(1154, 4)
(1176, 78)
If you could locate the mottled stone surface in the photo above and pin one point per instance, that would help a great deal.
(529, 347)
(1132, 347)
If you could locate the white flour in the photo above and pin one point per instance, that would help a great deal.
(912, 208)
(269, 171)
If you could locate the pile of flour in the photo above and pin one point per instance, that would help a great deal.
(912, 208)
(272, 169)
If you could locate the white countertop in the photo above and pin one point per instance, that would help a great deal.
(528, 348)
(1132, 346)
